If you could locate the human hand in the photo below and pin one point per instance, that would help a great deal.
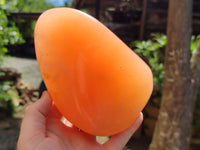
(42, 129)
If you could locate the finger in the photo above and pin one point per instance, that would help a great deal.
(119, 140)
(34, 122)
(44, 104)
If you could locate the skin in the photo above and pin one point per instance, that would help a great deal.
(42, 129)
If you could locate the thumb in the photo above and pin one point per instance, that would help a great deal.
(43, 105)
(118, 141)
(35, 117)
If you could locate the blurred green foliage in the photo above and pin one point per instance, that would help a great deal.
(11, 5)
(194, 42)
(152, 52)
(9, 33)
(35, 6)
(26, 27)
(8, 92)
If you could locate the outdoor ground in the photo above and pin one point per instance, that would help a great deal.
(28, 67)
(9, 128)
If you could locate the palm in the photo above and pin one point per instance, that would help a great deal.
(65, 136)
(42, 129)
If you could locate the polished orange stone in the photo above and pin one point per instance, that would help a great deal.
(96, 81)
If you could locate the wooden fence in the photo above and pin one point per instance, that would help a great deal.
(153, 19)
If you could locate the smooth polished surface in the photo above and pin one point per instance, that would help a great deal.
(96, 81)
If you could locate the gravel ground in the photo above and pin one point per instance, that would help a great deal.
(28, 67)
(9, 132)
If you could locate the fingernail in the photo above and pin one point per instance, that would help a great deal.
(45, 95)
(141, 115)
(139, 119)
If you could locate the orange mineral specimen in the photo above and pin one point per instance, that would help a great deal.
(97, 82)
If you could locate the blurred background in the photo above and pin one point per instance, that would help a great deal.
(142, 24)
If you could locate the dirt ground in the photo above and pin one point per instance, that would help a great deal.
(9, 131)
(28, 67)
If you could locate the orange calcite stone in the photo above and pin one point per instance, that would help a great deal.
(97, 82)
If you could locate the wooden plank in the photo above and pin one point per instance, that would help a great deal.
(156, 5)
(27, 16)
(196, 8)
(143, 19)
(78, 4)
(158, 1)
(97, 8)
(159, 12)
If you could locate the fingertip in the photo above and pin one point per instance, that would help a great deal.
(42, 105)
(119, 140)
(35, 116)
(141, 115)
(45, 94)
(139, 119)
